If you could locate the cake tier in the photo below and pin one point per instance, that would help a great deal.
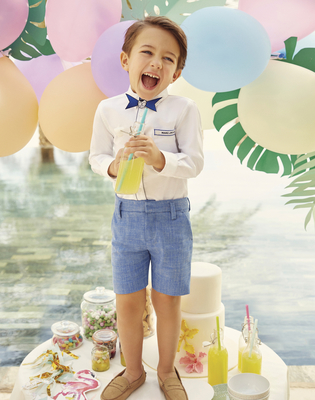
(205, 323)
(205, 289)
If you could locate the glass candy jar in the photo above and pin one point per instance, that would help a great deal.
(67, 335)
(100, 358)
(108, 338)
(148, 316)
(98, 311)
(242, 342)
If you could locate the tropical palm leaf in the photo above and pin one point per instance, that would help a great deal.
(304, 192)
(33, 40)
(237, 141)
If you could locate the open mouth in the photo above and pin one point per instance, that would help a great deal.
(150, 80)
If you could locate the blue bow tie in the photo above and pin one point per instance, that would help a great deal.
(141, 103)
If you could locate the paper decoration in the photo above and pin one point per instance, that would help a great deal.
(33, 40)
(304, 192)
(51, 366)
(186, 334)
(193, 363)
(76, 390)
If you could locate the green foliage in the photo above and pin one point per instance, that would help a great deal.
(33, 40)
(304, 192)
(237, 141)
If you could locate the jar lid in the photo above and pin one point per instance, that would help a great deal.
(99, 295)
(104, 336)
(65, 328)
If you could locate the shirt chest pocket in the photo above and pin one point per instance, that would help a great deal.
(165, 139)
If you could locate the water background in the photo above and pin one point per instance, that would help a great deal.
(55, 245)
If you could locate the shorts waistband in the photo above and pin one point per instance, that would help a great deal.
(153, 206)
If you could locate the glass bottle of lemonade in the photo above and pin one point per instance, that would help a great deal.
(217, 360)
(252, 362)
(130, 167)
(242, 343)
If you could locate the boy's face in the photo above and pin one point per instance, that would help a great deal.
(152, 63)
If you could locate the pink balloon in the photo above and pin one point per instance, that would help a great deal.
(282, 18)
(106, 68)
(73, 26)
(40, 71)
(13, 18)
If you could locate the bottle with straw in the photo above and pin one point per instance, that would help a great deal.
(130, 170)
(247, 326)
(251, 356)
(217, 358)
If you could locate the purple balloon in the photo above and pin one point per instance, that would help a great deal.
(106, 68)
(40, 71)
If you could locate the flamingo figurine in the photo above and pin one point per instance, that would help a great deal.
(77, 389)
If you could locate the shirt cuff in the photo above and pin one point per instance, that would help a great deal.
(170, 164)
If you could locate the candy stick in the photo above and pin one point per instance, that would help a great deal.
(253, 338)
(248, 320)
(131, 155)
(218, 329)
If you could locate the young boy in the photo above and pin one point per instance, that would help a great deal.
(153, 225)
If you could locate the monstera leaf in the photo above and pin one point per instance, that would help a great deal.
(237, 141)
(304, 192)
(33, 40)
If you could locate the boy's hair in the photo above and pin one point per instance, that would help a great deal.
(157, 22)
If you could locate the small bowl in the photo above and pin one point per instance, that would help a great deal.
(249, 387)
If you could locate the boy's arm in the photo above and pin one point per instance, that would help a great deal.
(102, 143)
(189, 161)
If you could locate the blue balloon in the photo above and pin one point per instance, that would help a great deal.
(227, 49)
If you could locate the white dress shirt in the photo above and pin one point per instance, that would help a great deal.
(175, 128)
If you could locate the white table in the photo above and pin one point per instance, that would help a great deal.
(273, 368)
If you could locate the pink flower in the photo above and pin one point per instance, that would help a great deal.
(193, 362)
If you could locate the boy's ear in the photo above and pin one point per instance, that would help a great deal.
(124, 61)
(176, 75)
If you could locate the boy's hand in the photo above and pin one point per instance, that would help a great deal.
(144, 146)
(114, 166)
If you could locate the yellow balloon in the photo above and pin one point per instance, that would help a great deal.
(67, 108)
(18, 108)
(277, 109)
(200, 97)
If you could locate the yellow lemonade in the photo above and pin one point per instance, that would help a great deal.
(240, 352)
(217, 366)
(252, 364)
(130, 173)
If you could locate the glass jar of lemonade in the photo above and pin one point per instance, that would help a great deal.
(252, 359)
(130, 167)
(242, 343)
(217, 360)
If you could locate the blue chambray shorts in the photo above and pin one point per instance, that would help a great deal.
(156, 231)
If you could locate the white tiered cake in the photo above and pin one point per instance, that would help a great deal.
(201, 307)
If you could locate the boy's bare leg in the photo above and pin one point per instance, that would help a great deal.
(168, 315)
(130, 309)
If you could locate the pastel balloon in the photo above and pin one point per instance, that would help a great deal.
(282, 18)
(67, 108)
(13, 18)
(73, 29)
(18, 109)
(277, 109)
(200, 97)
(106, 68)
(227, 49)
(40, 71)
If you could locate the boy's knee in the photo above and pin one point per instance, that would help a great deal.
(163, 301)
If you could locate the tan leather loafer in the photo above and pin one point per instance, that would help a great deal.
(173, 388)
(119, 388)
